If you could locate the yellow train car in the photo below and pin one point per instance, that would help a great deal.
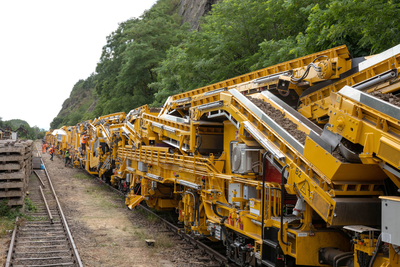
(296, 164)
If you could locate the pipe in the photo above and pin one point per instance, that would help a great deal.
(282, 201)
(271, 78)
(334, 256)
(375, 80)
(263, 194)
(342, 257)
(196, 206)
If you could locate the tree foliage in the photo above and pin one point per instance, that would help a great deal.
(149, 58)
(228, 43)
(132, 53)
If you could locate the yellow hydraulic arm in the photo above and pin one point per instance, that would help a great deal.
(315, 105)
(330, 64)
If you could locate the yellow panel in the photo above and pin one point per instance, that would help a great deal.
(320, 158)
(389, 151)
(321, 205)
(359, 172)
(167, 203)
(335, 170)
(306, 111)
(94, 161)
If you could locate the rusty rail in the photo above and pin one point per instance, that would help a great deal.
(64, 221)
(40, 179)
(10, 250)
(47, 206)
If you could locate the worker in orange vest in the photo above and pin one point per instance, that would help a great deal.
(47, 146)
(51, 151)
(44, 148)
(83, 144)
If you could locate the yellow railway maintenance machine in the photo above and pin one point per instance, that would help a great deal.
(297, 164)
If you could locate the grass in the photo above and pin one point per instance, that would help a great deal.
(8, 215)
(151, 218)
(33, 177)
(162, 240)
(107, 204)
(6, 225)
(119, 197)
(29, 206)
(82, 176)
(97, 193)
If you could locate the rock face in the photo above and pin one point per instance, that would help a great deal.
(192, 10)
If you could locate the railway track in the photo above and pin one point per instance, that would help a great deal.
(213, 254)
(45, 239)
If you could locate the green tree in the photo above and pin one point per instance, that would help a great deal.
(132, 52)
(228, 43)
(57, 121)
(366, 27)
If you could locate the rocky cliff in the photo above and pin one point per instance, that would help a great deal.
(193, 10)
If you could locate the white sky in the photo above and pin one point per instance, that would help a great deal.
(47, 46)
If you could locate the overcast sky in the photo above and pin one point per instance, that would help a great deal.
(47, 46)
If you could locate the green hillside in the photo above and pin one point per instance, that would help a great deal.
(146, 59)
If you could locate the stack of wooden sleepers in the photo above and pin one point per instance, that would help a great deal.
(15, 170)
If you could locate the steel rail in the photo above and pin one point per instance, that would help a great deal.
(71, 240)
(47, 206)
(40, 179)
(13, 237)
(10, 250)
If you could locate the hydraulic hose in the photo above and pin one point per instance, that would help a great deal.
(198, 146)
(283, 201)
(223, 218)
(214, 208)
(299, 226)
(378, 244)
(305, 74)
